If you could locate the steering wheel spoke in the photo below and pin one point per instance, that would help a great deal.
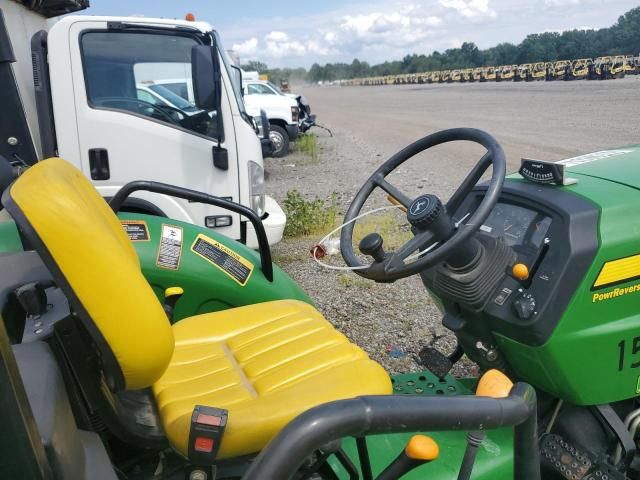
(397, 194)
(422, 241)
(469, 182)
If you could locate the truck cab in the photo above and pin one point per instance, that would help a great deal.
(84, 99)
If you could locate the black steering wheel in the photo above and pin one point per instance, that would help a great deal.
(435, 232)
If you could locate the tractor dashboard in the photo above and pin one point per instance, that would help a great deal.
(554, 234)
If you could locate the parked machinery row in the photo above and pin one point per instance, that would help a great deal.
(601, 68)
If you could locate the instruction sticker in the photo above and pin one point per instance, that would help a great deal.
(234, 265)
(170, 248)
(136, 230)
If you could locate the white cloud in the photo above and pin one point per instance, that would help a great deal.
(401, 28)
(278, 44)
(380, 30)
(472, 9)
(562, 3)
(276, 36)
(329, 37)
(248, 47)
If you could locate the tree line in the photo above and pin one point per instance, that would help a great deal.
(622, 38)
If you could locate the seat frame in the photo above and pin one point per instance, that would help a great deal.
(94, 406)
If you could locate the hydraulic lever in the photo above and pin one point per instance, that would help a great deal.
(419, 451)
(171, 297)
(493, 384)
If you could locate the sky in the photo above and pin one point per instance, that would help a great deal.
(300, 33)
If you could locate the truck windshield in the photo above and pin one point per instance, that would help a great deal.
(127, 71)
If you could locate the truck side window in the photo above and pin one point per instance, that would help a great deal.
(145, 74)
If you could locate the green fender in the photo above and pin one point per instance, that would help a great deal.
(207, 287)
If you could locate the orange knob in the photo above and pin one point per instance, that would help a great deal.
(423, 448)
(520, 271)
(494, 384)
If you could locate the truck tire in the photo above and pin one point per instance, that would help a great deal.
(280, 140)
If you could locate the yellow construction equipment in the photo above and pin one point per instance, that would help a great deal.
(488, 74)
(581, 69)
(505, 73)
(560, 70)
(456, 76)
(538, 71)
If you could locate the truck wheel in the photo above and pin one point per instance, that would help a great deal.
(280, 140)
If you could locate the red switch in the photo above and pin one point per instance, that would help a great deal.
(203, 444)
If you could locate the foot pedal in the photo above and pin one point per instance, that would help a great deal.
(435, 361)
(565, 459)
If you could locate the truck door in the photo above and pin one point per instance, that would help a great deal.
(125, 134)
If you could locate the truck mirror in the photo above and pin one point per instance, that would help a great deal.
(205, 73)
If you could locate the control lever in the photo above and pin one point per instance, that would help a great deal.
(32, 298)
(419, 451)
(372, 245)
(493, 384)
(171, 297)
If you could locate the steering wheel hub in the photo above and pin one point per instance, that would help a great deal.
(424, 211)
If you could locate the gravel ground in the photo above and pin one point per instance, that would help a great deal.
(539, 120)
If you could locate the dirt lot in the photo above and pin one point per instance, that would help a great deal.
(537, 120)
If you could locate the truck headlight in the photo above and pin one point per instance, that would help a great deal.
(294, 114)
(256, 187)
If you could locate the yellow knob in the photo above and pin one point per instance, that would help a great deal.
(520, 271)
(172, 291)
(421, 447)
(494, 384)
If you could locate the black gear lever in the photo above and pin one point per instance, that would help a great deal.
(372, 245)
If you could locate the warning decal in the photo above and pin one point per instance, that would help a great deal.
(170, 248)
(136, 230)
(237, 267)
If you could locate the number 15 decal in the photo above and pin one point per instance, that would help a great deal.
(625, 350)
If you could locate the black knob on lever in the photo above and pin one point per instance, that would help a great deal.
(420, 450)
(32, 298)
(372, 245)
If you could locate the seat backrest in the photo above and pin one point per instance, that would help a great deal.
(91, 258)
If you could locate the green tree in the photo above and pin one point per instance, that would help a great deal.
(255, 66)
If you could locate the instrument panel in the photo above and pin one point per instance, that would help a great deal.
(552, 232)
(517, 225)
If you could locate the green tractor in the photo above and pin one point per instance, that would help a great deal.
(120, 358)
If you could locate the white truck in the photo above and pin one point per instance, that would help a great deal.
(262, 91)
(283, 113)
(69, 90)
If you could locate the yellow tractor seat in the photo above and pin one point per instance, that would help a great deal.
(264, 363)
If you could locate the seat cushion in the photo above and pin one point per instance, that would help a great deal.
(265, 363)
